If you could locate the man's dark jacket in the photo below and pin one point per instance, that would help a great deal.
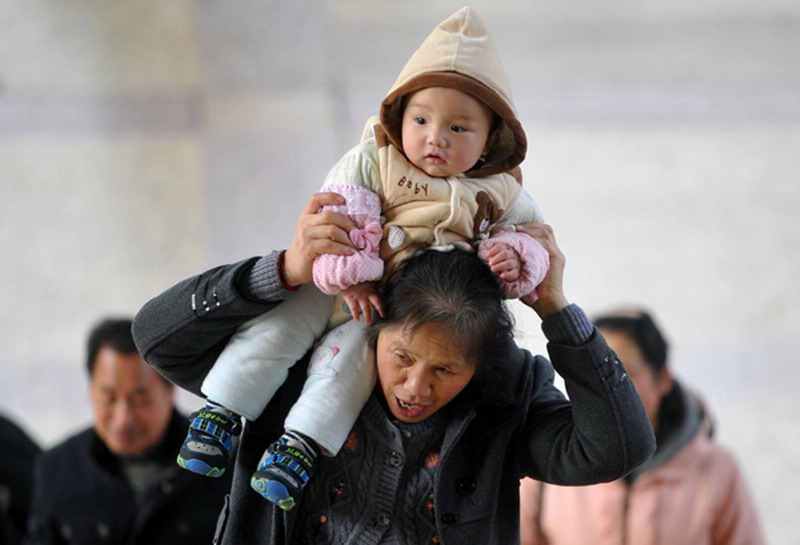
(80, 497)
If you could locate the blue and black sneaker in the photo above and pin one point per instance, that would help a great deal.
(209, 443)
(285, 468)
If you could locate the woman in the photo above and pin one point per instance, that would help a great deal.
(459, 413)
(690, 492)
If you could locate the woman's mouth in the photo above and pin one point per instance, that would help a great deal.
(408, 410)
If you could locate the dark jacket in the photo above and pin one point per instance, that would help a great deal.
(16, 480)
(82, 498)
(516, 423)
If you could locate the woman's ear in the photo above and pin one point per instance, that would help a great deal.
(665, 382)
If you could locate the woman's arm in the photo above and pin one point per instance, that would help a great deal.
(182, 331)
(605, 433)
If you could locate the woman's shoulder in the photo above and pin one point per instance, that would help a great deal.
(516, 379)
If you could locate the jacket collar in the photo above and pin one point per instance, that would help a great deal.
(173, 438)
(681, 417)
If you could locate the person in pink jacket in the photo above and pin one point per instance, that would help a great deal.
(438, 169)
(690, 492)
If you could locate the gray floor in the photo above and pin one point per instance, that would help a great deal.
(143, 142)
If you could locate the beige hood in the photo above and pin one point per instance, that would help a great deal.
(460, 54)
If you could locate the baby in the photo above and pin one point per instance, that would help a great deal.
(437, 169)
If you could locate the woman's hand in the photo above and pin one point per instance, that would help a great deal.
(551, 290)
(316, 233)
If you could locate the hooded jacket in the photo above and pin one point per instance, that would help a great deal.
(690, 492)
(421, 211)
(460, 54)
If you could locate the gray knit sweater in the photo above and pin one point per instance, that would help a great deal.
(384, 474)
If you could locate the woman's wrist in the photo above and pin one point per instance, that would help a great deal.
(282, 275)
(262, 281)
(545, 307)
(569, 326)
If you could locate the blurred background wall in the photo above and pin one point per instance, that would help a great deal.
(141, 142)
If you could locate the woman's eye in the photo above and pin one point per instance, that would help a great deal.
(445, 371)
(401, 358)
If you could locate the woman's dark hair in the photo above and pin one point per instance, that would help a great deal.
(456, 290)
(640, 327)
(112, 332)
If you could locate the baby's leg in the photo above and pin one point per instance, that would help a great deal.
(341, 376)
(257, 359)
(247, 373)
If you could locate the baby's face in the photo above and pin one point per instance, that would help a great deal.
(445, 131)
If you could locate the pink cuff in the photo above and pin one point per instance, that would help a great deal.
(535, 262)
(333, 273)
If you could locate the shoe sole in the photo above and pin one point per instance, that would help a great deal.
(274, 492)
(200, 467)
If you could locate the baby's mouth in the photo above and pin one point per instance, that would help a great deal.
(434, 157)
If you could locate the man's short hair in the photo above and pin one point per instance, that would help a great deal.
(112, 332)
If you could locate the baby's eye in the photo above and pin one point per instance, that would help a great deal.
(457, 128)
(420, 120)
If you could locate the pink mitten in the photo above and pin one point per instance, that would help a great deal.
(333, 273)
(535, 262)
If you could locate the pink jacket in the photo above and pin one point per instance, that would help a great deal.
(698, 497)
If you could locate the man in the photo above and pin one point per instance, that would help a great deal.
(118, 482)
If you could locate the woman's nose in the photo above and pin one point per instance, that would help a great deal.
(417, 383)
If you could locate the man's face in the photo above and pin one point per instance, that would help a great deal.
(132, 404)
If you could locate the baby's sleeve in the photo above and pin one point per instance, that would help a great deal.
(524, 210)
(535, 261)
(357, 167)
(352, 178)
(534, 257)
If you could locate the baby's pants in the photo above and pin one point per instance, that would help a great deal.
(256, 361)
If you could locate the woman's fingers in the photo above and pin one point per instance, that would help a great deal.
(550, 292)
(316, 233)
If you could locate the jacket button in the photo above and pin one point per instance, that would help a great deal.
(465, 486)
(395, 459)
(449, 518)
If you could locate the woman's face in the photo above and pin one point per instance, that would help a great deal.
(651, 386)
(420, 372)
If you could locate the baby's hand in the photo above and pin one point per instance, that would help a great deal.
(504, 261)
(361, 299)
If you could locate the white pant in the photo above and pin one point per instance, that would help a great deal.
(257, 359)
